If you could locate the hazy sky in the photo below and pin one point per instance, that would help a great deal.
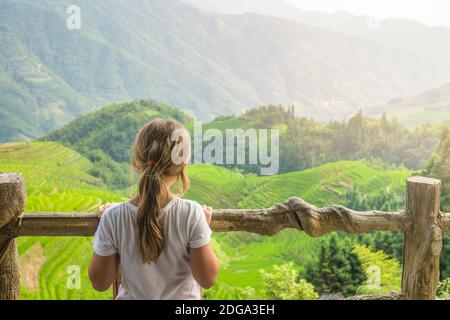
(430, 12)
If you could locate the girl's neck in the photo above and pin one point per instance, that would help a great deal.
(166, 199)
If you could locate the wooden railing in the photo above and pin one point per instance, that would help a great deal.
(421, 222)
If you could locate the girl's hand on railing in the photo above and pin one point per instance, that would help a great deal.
(208, 213)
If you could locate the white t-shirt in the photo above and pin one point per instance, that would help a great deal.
(184, 225)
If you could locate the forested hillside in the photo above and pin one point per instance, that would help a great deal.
(305, 143)
(205, 63)
(105, 137)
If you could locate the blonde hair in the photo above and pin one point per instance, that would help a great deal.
(152, 156)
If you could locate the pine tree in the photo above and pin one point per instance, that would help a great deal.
(338, 269)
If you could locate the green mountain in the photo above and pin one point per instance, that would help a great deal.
(105, 137)
(432, 106)
(207, 64)
(57, 180)
(114, 128)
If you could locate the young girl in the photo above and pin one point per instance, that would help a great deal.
(161, 240)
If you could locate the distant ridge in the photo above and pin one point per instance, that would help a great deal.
(207, 64)
(432, 106)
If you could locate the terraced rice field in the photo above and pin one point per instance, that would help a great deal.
(57, 179)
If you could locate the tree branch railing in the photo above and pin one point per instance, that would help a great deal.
(422, 223)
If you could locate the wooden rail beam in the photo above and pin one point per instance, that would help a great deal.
(298, 214)
(63, 224)
(294, 213)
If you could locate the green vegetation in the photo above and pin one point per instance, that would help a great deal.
(305, 143)
(283, 284)
(439, 166)
(105, 137)
(211, 65)
(338, 268)
(443, 291)
(57, 179)
(386, 200)
(383, 273)
(113, 129)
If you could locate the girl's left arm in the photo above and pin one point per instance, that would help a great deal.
(103, 271)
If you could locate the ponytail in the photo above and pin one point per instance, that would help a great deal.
(150, 234)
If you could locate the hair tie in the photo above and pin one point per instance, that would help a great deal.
(152, 164)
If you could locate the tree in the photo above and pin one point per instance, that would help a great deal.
(439, 164)
(338, 268)
(355, 132)
(443, 290)
(445, 259)
(383, 273)
(281, 284)
(439, 167)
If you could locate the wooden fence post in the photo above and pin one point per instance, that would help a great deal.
(12, 200)
(422, 244)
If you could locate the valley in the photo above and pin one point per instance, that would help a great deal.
(56, 180)
(334, 108)
(206, 64)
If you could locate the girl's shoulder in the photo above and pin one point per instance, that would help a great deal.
(116, 209)
(187, 206)
(191, 220)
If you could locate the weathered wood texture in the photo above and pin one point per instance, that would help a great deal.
(12, 200)
(294, 213)
(388, 296)
(55, 224)
(423, 239)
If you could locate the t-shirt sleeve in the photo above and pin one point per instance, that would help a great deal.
(104, 244)
(199, 230)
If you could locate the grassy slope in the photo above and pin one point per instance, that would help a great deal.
(56, 180)
(432, 106)
(321, 186)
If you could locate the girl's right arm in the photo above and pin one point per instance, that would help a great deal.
(204, 263)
